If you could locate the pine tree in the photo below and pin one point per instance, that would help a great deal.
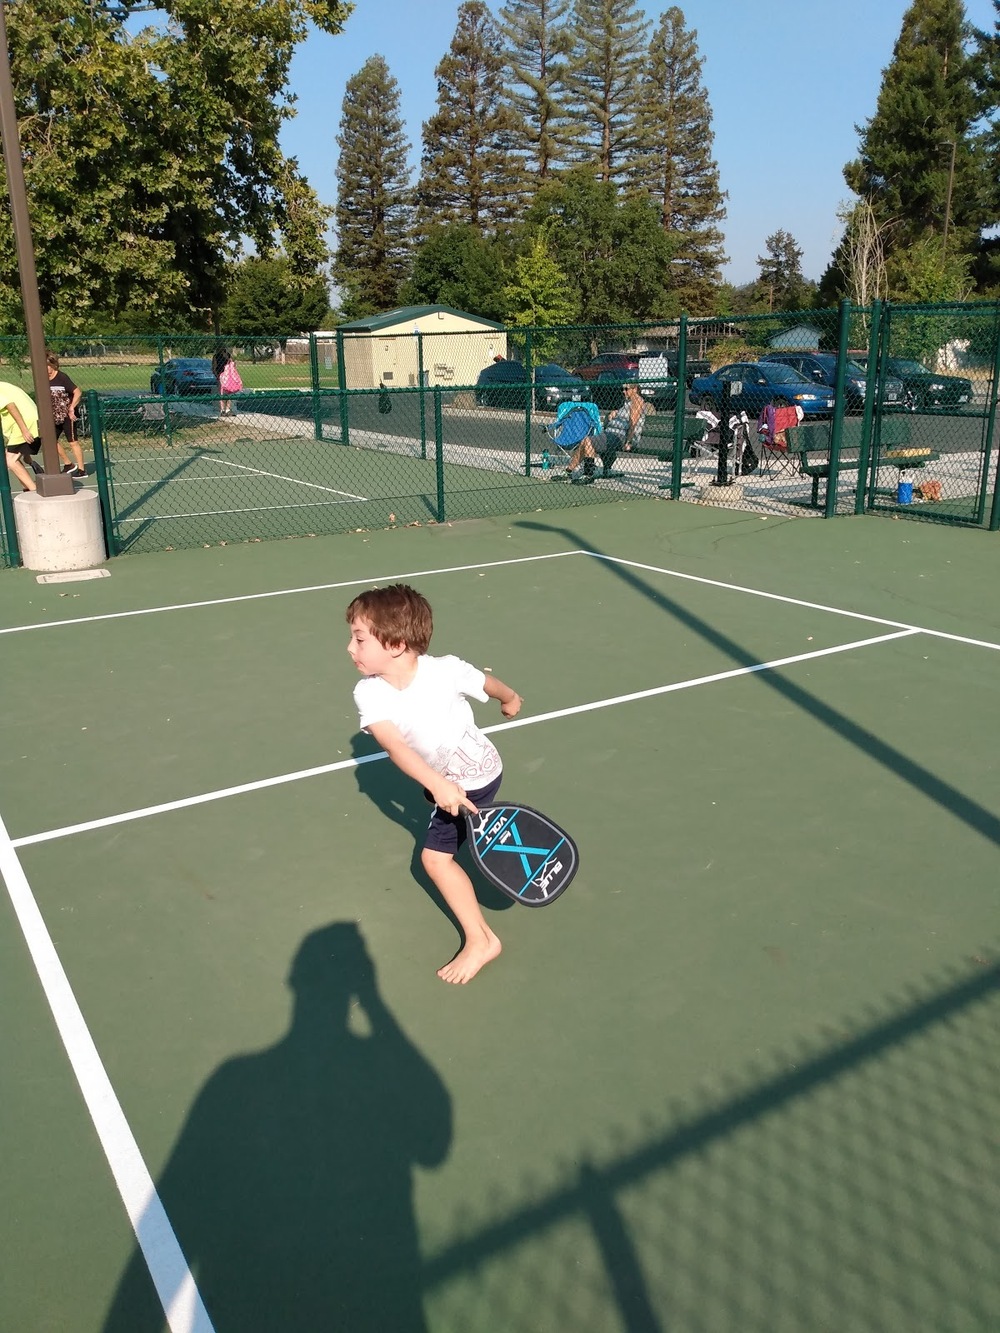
(603, 84)
(987, 68)
(469, 172)
(675, 165)
(780, 282)
(374, 204)
(537, 41)
(917, 165)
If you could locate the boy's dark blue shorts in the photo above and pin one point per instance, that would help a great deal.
(446, 833)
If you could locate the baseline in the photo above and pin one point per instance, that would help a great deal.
(32, 839)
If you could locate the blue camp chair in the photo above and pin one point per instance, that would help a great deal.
(573, 423)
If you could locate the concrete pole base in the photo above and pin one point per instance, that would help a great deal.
(721, 495)
(59, 532)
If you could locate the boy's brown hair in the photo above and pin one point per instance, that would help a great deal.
(396, 614)
(52, 360)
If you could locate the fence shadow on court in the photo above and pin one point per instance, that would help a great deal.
(290, 1185)
(969, 811)
(850, 1186)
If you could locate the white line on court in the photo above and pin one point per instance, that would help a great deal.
(277, 476)
(793, 601)
(168, 1268)
(287, 592)
(244, 787)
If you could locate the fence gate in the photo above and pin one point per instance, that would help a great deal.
(937, 460)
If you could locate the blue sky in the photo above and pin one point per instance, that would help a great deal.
(787, 80)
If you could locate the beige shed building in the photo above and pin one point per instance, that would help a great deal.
(450, 346)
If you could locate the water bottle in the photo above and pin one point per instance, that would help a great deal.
(546, 461)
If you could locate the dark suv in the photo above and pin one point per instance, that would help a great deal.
(822, 367)
(926, 388)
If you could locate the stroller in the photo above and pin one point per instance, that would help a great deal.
(573, 423)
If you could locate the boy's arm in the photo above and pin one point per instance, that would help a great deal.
(510, 700)
(447, 795)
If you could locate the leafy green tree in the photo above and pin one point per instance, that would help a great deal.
(469, 172)
(614, 252)
(603, 84)
(924, 121)
(538, 294)
(267, 299)
(373, 194)
(165, 140)
(674, 162)
(457, 266)
(780, 281)
(538, 39)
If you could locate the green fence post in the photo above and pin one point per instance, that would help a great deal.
(12, 549)
(423, 396)
(345, 417)
(679, 408)
(439, 453)
(837, 428)
(529, 403)
(871, 395)
(880, 352)
(314, 380)
(95, 415)
(990, 428)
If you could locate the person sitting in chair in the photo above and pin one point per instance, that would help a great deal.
(622, 430)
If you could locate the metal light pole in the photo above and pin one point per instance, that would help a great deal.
(52, 481)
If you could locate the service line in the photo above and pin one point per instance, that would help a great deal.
(280, 779)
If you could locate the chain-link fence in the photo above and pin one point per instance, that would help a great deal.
(185, 471)
(889, 410)
(9, 553)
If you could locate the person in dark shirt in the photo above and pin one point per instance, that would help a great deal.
(65, 398)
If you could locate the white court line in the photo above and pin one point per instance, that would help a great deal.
(288, 592)
(168, 1268)
(793, 601)
(276, 476)
(222, 793)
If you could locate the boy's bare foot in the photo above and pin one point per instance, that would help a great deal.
(468, 961)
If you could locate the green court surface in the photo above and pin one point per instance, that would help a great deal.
(741, 1078)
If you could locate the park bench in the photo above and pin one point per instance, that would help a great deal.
(657, 441)
(810, 444)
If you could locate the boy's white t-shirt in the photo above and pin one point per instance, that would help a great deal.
(434, 717)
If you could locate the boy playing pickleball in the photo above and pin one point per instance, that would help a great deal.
(416, 707)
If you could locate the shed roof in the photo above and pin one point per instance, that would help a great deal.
(406, 313)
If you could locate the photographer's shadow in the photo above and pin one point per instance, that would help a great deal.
(290, 1187)
(403, 801)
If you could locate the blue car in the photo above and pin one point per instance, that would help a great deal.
(184, 374)
(760, 383)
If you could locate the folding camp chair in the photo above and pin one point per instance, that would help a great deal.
(573, 423)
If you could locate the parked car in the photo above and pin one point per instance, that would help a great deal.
(762, 382)
(925, 388)
(618, 363)
(184, 374)
(655, 385)
(822, 367)
(627, 364)
(505, 384)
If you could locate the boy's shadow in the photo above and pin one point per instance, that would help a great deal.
(403, 801)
